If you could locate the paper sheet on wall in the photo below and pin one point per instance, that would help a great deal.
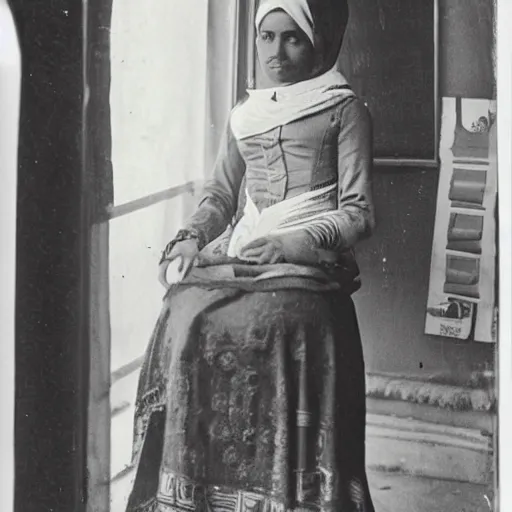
(461, 301)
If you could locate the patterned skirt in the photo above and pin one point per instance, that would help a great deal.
(252, 401)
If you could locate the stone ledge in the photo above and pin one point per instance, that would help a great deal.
(456, 398)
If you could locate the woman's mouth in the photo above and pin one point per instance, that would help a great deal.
(277, 65)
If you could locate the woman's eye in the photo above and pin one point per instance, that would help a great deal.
(293, 40)
(265, 36)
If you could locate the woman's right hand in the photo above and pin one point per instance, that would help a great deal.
(186, 252)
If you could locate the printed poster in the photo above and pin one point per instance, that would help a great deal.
(461, 301)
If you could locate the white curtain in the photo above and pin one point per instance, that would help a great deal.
(158, 100)
(172, 88)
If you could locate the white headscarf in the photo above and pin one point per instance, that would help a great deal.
(266, 109)
(297, 9)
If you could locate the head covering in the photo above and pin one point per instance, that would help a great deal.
(330, 20)
(324, 22)
(298, 10)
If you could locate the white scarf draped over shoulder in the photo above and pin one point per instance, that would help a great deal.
(266, 109)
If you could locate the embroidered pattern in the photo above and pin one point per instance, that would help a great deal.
(178, 494)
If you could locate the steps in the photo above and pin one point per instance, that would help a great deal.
(421, 448)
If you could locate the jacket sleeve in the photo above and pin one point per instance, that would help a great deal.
(219, 199)
(354, 219)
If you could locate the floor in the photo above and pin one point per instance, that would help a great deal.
(401, 493)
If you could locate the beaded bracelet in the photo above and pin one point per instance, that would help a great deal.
(182, 235)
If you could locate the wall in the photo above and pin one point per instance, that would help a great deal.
(395, 262)
(395, 265)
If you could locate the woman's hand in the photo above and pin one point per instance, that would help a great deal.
(295, 247)
(264, 250)
(186, 252)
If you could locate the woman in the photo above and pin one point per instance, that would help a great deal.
(252, 394)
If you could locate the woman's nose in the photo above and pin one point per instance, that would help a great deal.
(278, 49)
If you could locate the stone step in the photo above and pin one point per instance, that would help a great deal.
(420, 448)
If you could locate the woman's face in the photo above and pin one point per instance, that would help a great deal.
(284, 50)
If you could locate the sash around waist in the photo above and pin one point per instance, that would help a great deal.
(273, 277)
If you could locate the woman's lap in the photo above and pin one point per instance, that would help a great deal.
(262, 392)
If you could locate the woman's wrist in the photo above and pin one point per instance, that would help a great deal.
(182, 236)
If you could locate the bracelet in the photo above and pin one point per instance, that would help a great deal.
(331, 265)
(182, 235)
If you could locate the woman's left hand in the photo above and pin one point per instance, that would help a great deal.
(264, 250)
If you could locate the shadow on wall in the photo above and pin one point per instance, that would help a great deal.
(466, 56)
